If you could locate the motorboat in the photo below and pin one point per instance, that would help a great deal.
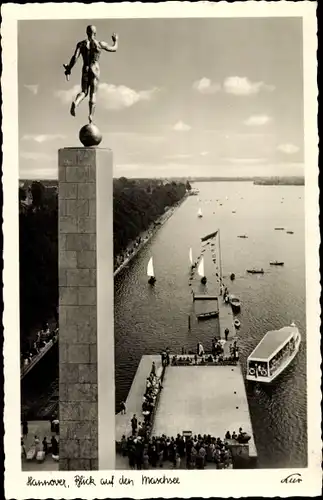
(279, 229)
(242, 236)
(290, 232)
(273, 354)
(199, 213)
(237, 323)
(255, 271)
(276, 263)
(235, 302)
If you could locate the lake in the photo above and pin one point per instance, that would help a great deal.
(148, 319)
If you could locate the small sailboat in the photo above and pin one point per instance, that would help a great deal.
(150, 272)
(200, 271)
(199, 213)
(193, 264)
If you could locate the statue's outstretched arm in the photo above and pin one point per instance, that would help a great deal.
(68, 67)
(110, 48)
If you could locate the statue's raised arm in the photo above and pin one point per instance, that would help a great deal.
(111, 48)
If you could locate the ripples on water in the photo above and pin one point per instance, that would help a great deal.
(149, 319)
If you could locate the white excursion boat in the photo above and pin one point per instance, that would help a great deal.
(273, 354)
(199, 213)
(150, 272)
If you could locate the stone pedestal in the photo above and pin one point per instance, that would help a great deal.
(86, 347)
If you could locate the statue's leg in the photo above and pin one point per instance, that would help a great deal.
(81, 95)
(92, 99)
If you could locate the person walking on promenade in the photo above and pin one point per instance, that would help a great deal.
(23, 449)
(153, 369)
(177, 461)
(123, 407)
(226, 333)
(134, 424)
(45, 445)
(25, 429)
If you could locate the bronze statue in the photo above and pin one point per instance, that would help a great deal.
(90, 50)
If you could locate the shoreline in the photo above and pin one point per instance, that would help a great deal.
(160, 222)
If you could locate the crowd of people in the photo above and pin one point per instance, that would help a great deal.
(217, 356)
(40, 449)
(43, 337)
(149, 401)
(190, 452)
(120, 259)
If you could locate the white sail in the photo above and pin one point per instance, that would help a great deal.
(199, 213)
(150, 268)
(191, 257)
(200, 269)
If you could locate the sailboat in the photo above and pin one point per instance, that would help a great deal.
(193, 264)
(150, 272)
(200, 271)
(199, 213)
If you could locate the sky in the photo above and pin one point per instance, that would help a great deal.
(180, 97)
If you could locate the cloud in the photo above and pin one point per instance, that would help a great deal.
(178, 157)
(40, 138)
(36, 156)
(288, 149)
(181, 127)
(66, 96)
(257, 120)
(120, 97)
(242, 86)
(244, 161)
(113, 97)
(32, 88)
(205, 86)
(136, 136)
(38, 173)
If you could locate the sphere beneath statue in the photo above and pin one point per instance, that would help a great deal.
(90, 135)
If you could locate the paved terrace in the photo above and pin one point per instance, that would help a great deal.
(203, 399)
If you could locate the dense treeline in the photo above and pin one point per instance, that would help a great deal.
(280, 181)
(138, 203)
(38, 231)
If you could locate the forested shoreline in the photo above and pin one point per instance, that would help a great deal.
(137, 203)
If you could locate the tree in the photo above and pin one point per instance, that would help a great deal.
(38, 192)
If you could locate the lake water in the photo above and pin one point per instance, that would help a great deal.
(149, 319)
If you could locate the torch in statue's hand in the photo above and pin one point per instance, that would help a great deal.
(67, 71)
(114, 37)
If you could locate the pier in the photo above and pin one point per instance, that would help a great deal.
(197, 399)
